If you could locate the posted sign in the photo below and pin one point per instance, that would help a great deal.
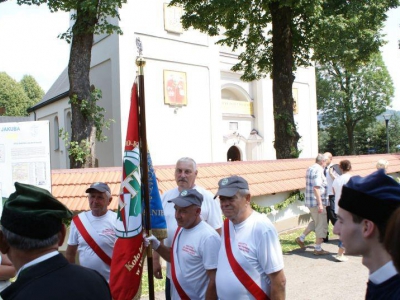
(24, 155)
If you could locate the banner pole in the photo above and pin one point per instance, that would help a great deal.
(140, 62)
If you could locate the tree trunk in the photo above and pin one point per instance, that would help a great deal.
(286, 136)
(350, 137)
(82, 126)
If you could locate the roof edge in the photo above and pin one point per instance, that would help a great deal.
(52, 100)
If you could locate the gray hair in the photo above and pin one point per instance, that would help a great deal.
(108, 195)
(23, 243)
(320, 158)
(188, 159)
(244, 192)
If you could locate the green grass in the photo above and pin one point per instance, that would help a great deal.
(288, 243)
(159, 284)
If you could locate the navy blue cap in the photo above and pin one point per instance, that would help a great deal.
(373, 197)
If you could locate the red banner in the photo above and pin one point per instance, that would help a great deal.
(127, 261)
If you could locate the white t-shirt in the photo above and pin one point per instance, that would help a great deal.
(105, 227)
(196, 251)
(210, 213)
(337, 185)
(329, 178)
(257, 240)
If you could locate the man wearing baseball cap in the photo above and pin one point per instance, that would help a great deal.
(250, 261)
(185, 178)
(365, 207)
(194, 251)
(92, 233)
(31, 232)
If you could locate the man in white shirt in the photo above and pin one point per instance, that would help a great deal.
(250, 261)
(185, 177)
(92, 233)
(194, 251)
(365, 207)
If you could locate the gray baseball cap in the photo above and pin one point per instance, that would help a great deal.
(99, 187)
(187, 198)
(229, 186)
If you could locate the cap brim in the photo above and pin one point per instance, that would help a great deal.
(180, 202)
(101, 190)
(227, 192)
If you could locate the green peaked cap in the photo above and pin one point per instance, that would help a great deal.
(33, 212)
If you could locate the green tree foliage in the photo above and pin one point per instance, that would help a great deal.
(350, 31)
(12, 96)
(90, 17)
(369, 140)
(32, 89)
(374, 137)
(394, 133)
(350, 100)
(275, 36)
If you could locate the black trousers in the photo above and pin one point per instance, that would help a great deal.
(167, 288)
(330, 210)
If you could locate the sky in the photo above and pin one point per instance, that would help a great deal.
(29, 44)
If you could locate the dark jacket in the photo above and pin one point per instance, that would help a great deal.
(56, 278)
(387, 290)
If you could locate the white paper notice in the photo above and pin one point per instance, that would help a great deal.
(24, 155)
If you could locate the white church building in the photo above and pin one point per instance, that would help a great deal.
(195, 105)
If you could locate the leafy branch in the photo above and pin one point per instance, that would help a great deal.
(80, 151)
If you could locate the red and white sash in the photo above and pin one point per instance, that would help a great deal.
(91, 237)
(174, 271)
(243, 270)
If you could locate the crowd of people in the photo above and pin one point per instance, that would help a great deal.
(324, 182)
(365, 212)
(239, 258)
(217, 247)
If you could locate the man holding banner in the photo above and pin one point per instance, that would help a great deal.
(92, 233)
(194, 251)
(185, 178)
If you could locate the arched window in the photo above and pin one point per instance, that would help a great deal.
(235, 100)
(68, 127)
(56, 137)
(234, 92)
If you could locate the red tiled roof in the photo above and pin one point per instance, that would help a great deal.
(264, 177)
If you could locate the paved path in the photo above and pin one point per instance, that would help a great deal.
(320, 278)
(312, 277)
